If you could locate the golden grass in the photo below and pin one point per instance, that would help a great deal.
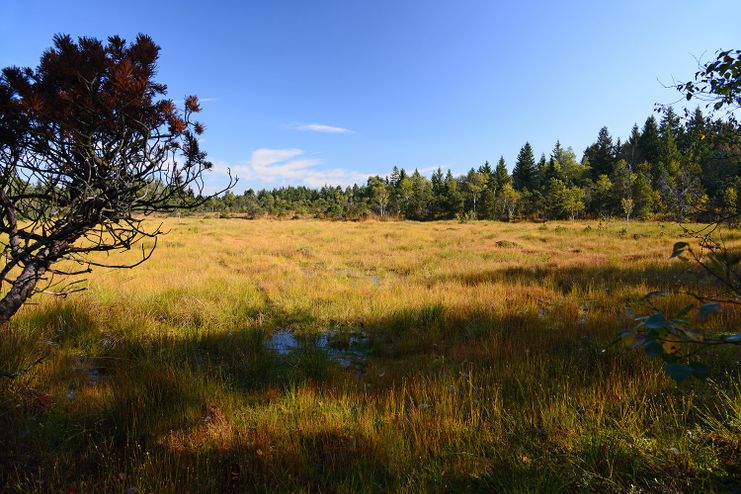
(485, 371)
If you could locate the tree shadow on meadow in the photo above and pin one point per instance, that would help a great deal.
(203, 410)
(584, 277)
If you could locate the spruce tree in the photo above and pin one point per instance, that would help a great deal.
(394, 176)
(630, 151)
(524, 172)
(420, 197)
(487, 201)
(438, 194)
(693, 140)
(552, 171)
(501, 175)
(644, 196)
(622, 184)
(486, 170)
(649, 144)
(671, 121)
(454, 198)
(601, 154)
(669, 155)
(555, 164)
(557, 152)
(540, 172)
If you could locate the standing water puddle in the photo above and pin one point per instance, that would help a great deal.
(347, 350)
(283, 342)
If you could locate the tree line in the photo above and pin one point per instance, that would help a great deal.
(673, 168)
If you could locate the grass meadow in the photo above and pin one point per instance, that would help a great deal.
(483, 365)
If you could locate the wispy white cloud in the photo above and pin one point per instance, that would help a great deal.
(327, 129)
(288, 166)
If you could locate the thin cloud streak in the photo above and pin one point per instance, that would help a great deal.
(327, 129)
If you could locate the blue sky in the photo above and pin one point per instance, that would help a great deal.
(314, 92)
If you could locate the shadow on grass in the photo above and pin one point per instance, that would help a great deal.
(579, 278)
(157, 395)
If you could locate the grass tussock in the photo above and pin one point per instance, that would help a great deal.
(485, 366)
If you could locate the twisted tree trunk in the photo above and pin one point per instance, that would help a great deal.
(21, 289)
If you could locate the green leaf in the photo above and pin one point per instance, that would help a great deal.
(656, 321)
(707, 309)
(653, 334)
(654, 349)
(732, 338)
(679, 372)
(632, 340)
(699, 370)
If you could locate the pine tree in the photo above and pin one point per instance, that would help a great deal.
(671, 121)
(486, 170)
(693, 140)
(557, 152)
(501, 175)
(644, 196)
(401, 193)
(649, 144)
(622, 185)
(540, 172)
(601, 154)
(669, 155)
(630, 151)
(438, 194)
(487, 204)
(395, 177)
(487, 208)
(524, 173)
(454, 198)
(420, 197)
(553, 168)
